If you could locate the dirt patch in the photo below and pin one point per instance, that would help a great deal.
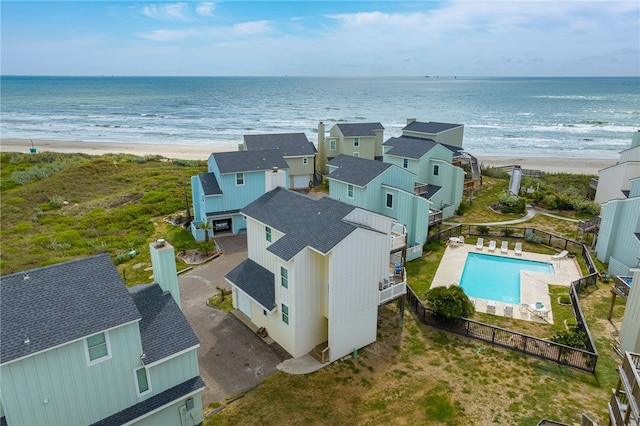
(197, 257)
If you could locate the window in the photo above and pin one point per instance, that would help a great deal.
(239, 179)
(142, 381)
(405, 163)
(356, 154)
(267, 233)
(305, 161)
(284, 277)
(285, 313)
(332, 144)
(356, 142)
(350, 191)
(389, 200)
(97, 348)
(436, 170)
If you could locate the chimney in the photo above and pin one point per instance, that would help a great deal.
(410, 120)
(163, 262)
(275, 179)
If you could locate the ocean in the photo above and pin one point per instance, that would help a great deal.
(528, 117)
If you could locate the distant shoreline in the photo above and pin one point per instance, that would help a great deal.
(588, 166)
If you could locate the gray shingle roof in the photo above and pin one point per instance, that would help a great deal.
(430, 127)
(209, 184)
(61, 303)
(247, 161)
(355, 170)
(256, 281)
(432, 190)
(164, 330)
(304, 221)
(359, 129)
(408, 147)
(170, 395)
(291, 144)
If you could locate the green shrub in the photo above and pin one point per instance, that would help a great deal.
(462, 208)
(531, 237)
(449, 302)
(187, 163)
(495, 173)
(15, 200)
(483, 229)
(565, 299)
(508, 203)
(56, 201)
(574, 338)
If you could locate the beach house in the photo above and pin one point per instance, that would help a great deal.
(296, 149)
(233, 180)
(614, 182)
(79, 348)
(618, 242)
(317, 271)
(437, 178)
(383, 188)
(362, 140)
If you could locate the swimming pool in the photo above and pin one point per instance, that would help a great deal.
(496, 277)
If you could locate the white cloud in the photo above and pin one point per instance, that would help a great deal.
(205, 8)
(167, 12)
(251, 28)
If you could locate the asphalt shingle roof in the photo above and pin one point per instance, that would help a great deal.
(355, 170)
(209, 184)
(256, 281)
(135, 411)
(248, 161)
(291, 144)
(317, 223)
(61, 303)
(430, 127)
(359, 129)
(405, 146)
(431, 190)
(164, 330)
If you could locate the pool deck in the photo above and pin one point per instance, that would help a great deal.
(534, 286)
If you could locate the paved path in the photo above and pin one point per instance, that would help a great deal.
(531, 212)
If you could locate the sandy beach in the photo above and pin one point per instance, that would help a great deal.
(589, 166)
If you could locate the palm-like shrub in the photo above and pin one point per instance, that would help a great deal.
(449, 302)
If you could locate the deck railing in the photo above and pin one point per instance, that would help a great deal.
(620, 287)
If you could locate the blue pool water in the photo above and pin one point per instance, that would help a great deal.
(497, 278)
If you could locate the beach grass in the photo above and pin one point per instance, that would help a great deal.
(58, 207)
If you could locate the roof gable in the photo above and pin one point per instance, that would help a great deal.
(256, 281)
(355, 170)
(408, 147)
(290, 144)
(57, 304)
(304, 221)
(359, 129)
(164, 330)
(249, 161)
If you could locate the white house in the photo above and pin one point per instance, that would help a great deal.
(316, 272)
(614, 182)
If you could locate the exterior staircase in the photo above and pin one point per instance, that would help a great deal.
(321, 352)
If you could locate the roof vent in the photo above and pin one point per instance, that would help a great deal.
(26, 340)
(25, 277)
(160, 242)
(275, 169)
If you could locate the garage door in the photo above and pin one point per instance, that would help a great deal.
(301, 181)
(244, 303)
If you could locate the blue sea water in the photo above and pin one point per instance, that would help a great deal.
(529, 117)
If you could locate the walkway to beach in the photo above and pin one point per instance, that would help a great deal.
(531, 212)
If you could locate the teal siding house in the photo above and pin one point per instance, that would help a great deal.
(233, 180)
(79, 348)
(430, 161)
(618, 241)
(383, 188)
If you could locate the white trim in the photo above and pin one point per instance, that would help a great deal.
(386, 197)
(183, 397)
(67, 343)
(335, 144)
(135, 380)
(175, 355)
(107, 342)
(236, 178)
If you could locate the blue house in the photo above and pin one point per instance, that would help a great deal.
(437, 178)
(297, 151)
(233, 180)
(384, 188)
(79, 348)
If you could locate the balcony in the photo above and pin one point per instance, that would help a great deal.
(593, 184)
(398, 237)
(623, 406)
(435, 217)
(420, 189)
(393, 287)
(621, 287)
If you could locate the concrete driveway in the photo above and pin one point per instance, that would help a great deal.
(232, 358)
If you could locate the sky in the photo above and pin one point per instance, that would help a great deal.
(321, 38)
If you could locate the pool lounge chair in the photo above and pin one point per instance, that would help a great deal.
(508, 311)
(563, 254)
(504, 247)
(480, 244)
(492, 245)
(518, 249)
